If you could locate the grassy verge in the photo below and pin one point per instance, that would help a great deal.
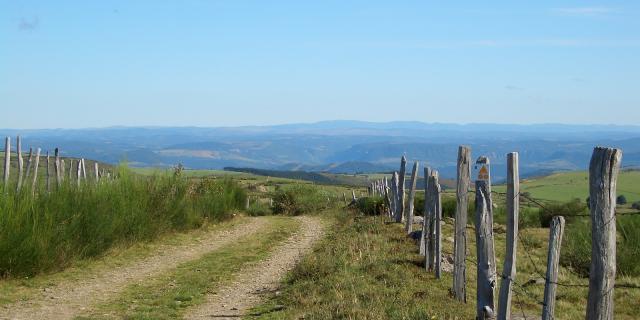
(168, 296)
(46, 232)
(25, 288)
(366, 269)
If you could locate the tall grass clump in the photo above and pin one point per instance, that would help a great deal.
(46, 231)
(576, 250)
(297, 199)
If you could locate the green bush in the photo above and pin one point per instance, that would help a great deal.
(47, 231)
(568, 210)
(299, 199)
(448, 206)
(370, 206)
(576, 250)
(527, 217)
(258, 209)
(636, 205)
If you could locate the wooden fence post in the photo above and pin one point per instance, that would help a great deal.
(425, 217)
(401, 188)
(437, 222)
(486, 266)
(551, 283)
(7, 162)
(70, 170)
(396, 190)
(79, 172)
(35, 171)
(513, 208)
(603, 177)
(62, 170)
(20, 163)
(84, 170)
(48, 174)
(57, 167)
(460, 237)
(29, 163)
(431, 234)
(408, 227)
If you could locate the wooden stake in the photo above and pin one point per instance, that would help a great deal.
(57, 167)
(460, 237)
(401, 187)
(513, 208)
(35, 172)
(29, 162)
(431, 214)
(603, 178)
(394, 197)
(437, 222)
(48, 174)
(425, 218)
(20, 163)
(7, 162)
(84, 170)
(78, 171)
(555, 241)
(408, 227)
(486, 266)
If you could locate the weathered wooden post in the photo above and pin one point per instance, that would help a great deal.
(70, 170)
(603, 178)
(29, 162)
(437, 222)
(62, 170)
(97, 172)
(247, 204)
(394, 196)
(551, 283)
(7, 162)
(79, 172)
(401, 187)
(20, 163)
(35, 172)
(431, 235)
(84, 170)
(463, 181)
(408, 227)
(425, 218)
(353, 196)
(48, 174)
(513, 208)
(57, 164)
(486, 266)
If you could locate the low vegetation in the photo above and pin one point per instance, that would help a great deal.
(46, 231)
(297, 199)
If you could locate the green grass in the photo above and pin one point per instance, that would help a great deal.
(366, 269)
(26, 288)
(566, 186)
(47, 231)
(168, 296)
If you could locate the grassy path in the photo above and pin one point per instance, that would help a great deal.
(234, 299)
(171, 294)
(66, 299)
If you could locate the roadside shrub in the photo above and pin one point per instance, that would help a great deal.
(576, 249)
(621, 200)
(370, 206)
(47, 231)
(299, 199)
(258, 209)
(636, 205)
(568, 210)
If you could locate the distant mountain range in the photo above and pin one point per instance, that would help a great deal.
(342, 146)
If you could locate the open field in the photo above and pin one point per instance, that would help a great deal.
(566, 186)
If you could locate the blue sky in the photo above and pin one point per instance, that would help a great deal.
(236, 62)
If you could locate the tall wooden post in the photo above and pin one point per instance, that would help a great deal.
(79, 172)
(486, 266)
(425, 218)
(395, 185)
(62, 170)
(48, 174)
(603, 177)
(513, 208)
(35, 172)
(555, 241)
(401, 188)
(84, 170)
(20, 163)
(463, 181)
(412, 194)
(58, 167)
(432, 213)
(7, 162)
(29, 163)
(437, 222)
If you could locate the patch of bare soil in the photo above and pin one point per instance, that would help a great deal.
(249, 286)
(68, 299)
